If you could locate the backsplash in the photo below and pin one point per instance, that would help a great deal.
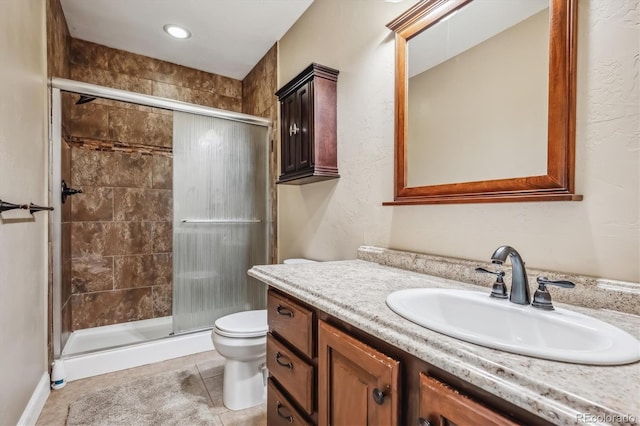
(590, 292)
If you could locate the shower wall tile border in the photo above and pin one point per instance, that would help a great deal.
(109, 146)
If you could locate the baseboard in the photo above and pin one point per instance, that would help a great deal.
(36, 402)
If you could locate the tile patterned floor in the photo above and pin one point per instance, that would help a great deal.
(209, 365)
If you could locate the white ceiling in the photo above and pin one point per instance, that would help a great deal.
(228, 36)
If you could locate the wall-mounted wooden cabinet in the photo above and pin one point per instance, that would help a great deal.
(308, 143)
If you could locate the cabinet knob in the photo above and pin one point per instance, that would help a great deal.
(293, 129)
(423, 422)
(378, 395)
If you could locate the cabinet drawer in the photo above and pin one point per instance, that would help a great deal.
(292, 322)
(293, 373)
(280, 411)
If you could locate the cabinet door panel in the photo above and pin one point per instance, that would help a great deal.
(443, 406)
(304, 154)
(288, 115)
(348, 374)
(348, 391)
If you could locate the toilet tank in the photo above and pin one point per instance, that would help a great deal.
(296, 261)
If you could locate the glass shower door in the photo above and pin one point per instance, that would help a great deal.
(220, 224)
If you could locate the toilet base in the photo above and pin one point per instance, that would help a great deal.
(244, 384)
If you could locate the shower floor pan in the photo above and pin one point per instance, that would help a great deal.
(104, 349)
(110, 336)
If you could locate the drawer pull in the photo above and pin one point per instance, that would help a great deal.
(289, 365)
(278, 407)
(284, 311)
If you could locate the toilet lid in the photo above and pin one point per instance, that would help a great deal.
(243, 324)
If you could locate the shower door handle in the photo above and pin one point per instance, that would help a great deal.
(222, 221)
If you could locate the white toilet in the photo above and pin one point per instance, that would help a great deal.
(241, 338)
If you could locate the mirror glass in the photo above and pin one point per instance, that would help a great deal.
(477, 94)
(485, 101)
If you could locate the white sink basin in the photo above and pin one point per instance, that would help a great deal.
(559, 335)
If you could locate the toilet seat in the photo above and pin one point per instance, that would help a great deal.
(245, 324)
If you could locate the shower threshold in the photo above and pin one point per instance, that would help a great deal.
(116, 335)
(105, 349)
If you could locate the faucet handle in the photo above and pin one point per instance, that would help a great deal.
(499, 289)
(542, 298)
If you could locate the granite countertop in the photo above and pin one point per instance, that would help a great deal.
(354, 291)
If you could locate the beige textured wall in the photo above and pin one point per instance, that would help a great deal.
(483, 114)
(23, 179)
(328, 220)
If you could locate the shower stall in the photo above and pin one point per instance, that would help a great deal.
(167, 208)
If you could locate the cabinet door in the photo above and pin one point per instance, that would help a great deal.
(303, 130)
(442, 406)
(357, 385)
(288, 115)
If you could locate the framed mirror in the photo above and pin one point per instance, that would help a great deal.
(485, 101)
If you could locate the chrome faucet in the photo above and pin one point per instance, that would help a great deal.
(519, 281)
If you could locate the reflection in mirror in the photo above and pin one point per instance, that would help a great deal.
(477, 94)
(485, 101)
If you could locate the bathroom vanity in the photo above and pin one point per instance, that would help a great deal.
(338, 355)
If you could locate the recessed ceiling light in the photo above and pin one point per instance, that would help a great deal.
(177, 31)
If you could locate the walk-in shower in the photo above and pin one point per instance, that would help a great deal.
(174, 209)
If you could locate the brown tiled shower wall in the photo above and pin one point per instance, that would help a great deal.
(121, 264)
(121, 229)
(116, 236)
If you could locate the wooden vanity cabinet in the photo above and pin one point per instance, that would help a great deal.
(340, 375)
(357, 385)
(308, 143)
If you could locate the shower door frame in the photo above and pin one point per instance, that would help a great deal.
(58, 85)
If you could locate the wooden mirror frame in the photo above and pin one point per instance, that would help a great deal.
(558, 183)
